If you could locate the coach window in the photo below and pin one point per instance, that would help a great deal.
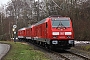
(46, 25)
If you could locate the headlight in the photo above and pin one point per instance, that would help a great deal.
(71, 41)
(54, 42)
(55, 33)
(68, 33)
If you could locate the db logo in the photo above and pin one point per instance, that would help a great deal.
(61, 33)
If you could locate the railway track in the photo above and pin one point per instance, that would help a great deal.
(67, 55)
(61, 55)
(81, 56)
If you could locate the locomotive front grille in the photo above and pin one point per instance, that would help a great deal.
(62, 43)
(56, 42)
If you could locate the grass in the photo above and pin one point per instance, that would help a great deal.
(85, 47)
(23, 51)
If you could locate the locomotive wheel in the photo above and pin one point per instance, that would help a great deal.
(51, 47)
(45, 45)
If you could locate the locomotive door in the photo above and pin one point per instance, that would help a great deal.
(46, 30)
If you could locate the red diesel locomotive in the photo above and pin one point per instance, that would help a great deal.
(53, 32)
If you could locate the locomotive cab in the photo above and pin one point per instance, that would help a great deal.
(62, 32)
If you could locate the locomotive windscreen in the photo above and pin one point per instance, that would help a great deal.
(60, 22)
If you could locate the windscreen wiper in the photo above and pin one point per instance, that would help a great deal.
(60, 24)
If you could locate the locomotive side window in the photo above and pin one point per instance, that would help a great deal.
(46, 25)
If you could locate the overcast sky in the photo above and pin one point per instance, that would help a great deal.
(3, 2)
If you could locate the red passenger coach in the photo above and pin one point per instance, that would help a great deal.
(54, 32)
(22, 33)
(29, 32)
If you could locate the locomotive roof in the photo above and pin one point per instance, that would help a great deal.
(42, 21)
(58, 17)
(53, 18)
(61, 18)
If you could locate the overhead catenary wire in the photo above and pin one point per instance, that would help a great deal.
(56, 4)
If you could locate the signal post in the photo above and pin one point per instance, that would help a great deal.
(14, 32)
